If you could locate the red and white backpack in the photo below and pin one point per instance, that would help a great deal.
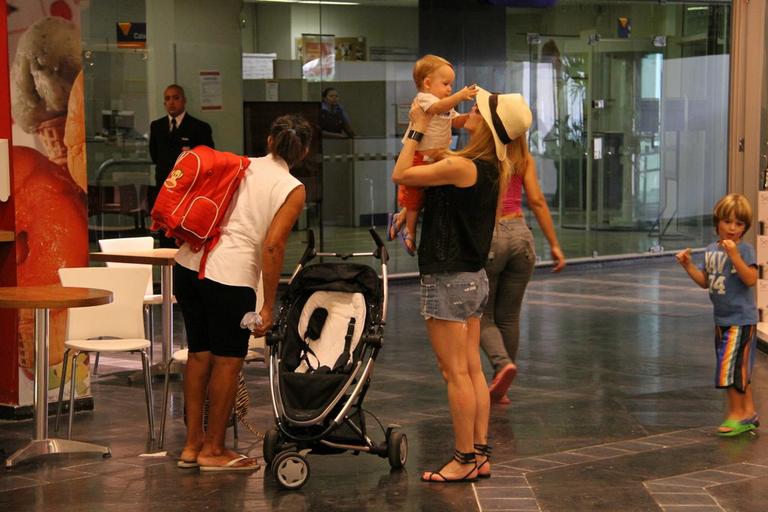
(195, 196)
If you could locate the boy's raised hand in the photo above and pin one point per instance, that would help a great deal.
(729, 246)
(468, 92)
(684, 257)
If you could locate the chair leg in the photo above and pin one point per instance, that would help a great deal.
(150, 322)
(61, 389)
(148, 393)
(164, 412)
(147, 324)
(96, 364)
(72, 394)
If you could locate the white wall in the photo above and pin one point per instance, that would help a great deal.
(273, 29)
(696, 155)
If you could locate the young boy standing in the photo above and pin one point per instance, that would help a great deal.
(730, 273)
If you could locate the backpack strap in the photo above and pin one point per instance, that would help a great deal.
(206, 250)
(201, 272)
(223, 159)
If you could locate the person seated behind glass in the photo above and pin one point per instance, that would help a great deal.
(334, 122)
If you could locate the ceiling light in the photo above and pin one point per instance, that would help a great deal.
(325, 2)
(313, 2)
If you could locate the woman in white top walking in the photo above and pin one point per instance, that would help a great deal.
(254, 230)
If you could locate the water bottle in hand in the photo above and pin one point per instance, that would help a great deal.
(250, 320)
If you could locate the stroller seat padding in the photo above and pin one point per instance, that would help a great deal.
(341, 307)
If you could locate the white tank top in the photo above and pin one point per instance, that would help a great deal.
(236, 259)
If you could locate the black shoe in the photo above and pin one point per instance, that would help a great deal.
(483, 450)
(461, 458)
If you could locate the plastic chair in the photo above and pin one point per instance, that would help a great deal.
(141, 243)
(114, 327)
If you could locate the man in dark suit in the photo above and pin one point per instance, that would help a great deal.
(169, 136)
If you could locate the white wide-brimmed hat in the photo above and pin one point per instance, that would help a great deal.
(507, 115)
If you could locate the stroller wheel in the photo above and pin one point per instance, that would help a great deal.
(271, 442)
(397, 450)
(291, 470)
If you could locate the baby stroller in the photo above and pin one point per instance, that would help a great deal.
(323, 347)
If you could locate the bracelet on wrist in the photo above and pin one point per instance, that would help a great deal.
(415, 135)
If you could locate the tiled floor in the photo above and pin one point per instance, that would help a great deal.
(613, 409)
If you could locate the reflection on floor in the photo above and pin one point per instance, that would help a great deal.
(613, 409)
(575, 241)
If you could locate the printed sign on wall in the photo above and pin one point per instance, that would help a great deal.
(211, 96)
(131, 34)
(318, 54)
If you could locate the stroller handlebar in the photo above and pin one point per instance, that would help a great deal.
(381, 249)
(345, 255)
(309, 252)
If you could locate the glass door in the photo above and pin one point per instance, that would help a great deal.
(623, 133)
(557, 89)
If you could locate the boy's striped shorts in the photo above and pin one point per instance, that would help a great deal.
(735, 349)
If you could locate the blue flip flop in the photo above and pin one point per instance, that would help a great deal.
(404, 237)
(392, 224)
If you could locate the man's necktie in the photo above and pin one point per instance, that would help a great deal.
(173, 124)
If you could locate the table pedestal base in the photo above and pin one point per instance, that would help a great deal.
(49, 446)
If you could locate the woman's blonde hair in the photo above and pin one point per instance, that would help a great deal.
(733, 205)
(483, 147)
(425, 66)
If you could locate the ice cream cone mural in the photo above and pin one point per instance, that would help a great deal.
(45, 66)
(74, 134)
(49, 173)
(51, 232)
(51, 133)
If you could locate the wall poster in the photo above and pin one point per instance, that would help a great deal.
(318, 56)
(48, 168)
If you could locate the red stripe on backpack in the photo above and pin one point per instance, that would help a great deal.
(195, 196)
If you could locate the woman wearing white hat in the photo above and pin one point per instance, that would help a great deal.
(460, 205)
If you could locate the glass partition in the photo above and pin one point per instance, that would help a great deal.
(116, 123)
(630, 103)
(630, 123)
